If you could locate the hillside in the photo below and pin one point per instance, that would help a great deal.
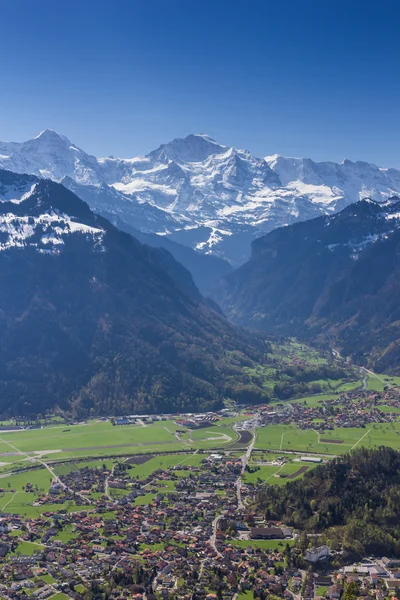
(93, 321)
(334, 279)
(205, 269)
(197, 192)
(354, 500)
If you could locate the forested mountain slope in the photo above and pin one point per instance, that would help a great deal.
(334, 279)
(94, 321)
(354, 500)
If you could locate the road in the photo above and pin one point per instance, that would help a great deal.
(33, 459)
(363, 372)
(106, 490)
(245, 462)
(364, 378)
(213, 539)
(375, 375)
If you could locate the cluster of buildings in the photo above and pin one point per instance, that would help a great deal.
(357, 408)
(187, 532)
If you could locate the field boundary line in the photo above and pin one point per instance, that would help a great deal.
(9, 502)
(361, 438)
(318, 434)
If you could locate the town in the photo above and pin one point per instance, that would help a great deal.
(186, 524)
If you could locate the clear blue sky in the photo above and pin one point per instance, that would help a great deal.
(317, 78)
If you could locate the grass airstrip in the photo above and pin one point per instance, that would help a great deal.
(26, 455)
(101, 438)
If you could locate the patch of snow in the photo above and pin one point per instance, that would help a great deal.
(52, 228)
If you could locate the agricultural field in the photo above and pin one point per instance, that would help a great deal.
(290, 360)
(292, 349)
(58, 443)
(338, 441)
(275, 474)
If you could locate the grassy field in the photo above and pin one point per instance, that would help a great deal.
(389, 409)
(247, 595)
(29, 548)
(321, 590)
(164, 462)
(68, 467)
(313, 401)
(338, 441)
(103, 439)
(215, 431)
(348, 386)
(374, 384)
(275, 474)
(90, 435)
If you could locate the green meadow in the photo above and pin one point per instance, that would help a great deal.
(338, 441)
(277, 475)
(58, 443)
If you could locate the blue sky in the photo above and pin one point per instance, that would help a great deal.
(316, 78)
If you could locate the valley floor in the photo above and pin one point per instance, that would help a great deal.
(164, 506)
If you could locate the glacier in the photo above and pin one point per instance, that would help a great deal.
(213, 198)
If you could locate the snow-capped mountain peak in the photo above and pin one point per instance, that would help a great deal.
(203, 194)
(50, 155)
(52, 137)
(196, 147)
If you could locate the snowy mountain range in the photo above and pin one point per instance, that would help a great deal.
(194, 191)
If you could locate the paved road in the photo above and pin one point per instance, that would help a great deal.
(245, 462)
(213, 539)
(375, 375)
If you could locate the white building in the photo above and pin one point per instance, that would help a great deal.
(315, 554)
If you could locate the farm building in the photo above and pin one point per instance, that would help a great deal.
(266, 533)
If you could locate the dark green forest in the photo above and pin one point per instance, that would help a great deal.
(353, 500)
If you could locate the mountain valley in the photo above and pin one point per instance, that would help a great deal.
(333, 279)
